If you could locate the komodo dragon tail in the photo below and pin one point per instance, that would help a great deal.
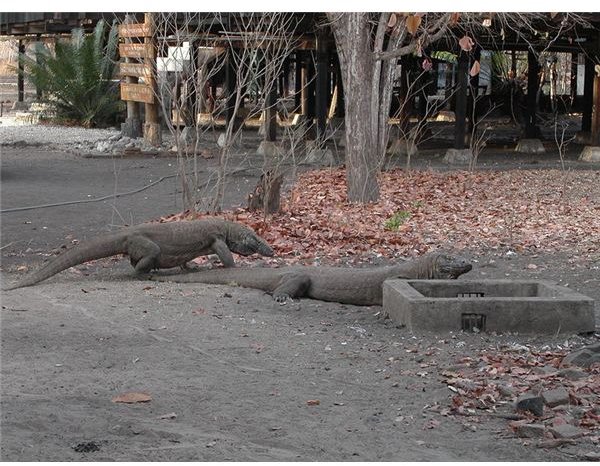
(78, 254)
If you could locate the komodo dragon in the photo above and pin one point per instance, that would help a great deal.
(359, 286)
(160, 245)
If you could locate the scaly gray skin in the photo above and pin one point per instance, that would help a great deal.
(160, 245)
(359, 286)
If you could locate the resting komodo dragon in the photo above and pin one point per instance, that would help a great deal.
(160, 245)
(359, 286)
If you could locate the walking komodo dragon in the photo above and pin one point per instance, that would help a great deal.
(359, 286)
(160, 245)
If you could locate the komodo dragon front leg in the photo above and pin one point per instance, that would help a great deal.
(291, 285)
(143, 253)
(221, 249)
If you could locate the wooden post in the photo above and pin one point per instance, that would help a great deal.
(285, 78)
(38, 91)
(298, 75)
(321, 95)
(404, 111)
(192, 85)
(271, 114)
(595, 130)
(461, 100)
(339, 107)
(574, 63)
(309, 104)
(152, 133)
(230, 86)
(588, 95)
(270, 91)
(132, 127)
(21, 69)
(474, 85)
(531, 129)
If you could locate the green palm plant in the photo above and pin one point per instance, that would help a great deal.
(77, 79)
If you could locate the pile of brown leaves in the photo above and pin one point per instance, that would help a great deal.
(522, 210)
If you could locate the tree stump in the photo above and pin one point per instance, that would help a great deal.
(267, 193)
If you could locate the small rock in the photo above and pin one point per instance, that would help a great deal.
(566, 431)
(531, 403)
(574, 412)
(544, 370)
(583, 357)
(506, 391)
(86, 447)
(531, 430)
(592, 456)
(103, 146)
(558, 396)
(572, 374)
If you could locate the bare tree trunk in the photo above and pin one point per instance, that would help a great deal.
(356, 63)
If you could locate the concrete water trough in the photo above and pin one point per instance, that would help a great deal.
(523, 306)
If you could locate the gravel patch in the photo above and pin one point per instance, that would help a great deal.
(54, 135)
(76, 140)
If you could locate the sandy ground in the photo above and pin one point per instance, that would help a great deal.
(232, 375)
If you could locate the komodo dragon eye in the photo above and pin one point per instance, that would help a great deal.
(246, 247)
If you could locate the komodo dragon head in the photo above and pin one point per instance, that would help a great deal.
(245, 242)
(449, 266)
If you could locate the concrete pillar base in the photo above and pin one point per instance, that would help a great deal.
(590, 154)
(132, 128)
(530, 146)
(446, 115)
(20, 106)
(269, 149)
(458, 156)
(317, 153)
(188, 136)
(152, 134)
(583, 137)
(401, 146)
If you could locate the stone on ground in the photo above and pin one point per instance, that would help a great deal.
(530, 146)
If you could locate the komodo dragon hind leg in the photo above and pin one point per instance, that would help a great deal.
(293, 285)
(143, 254)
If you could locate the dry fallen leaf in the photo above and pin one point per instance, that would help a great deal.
(313, 402)
(132, 397)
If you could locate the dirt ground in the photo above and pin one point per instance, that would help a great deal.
(232, 375)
